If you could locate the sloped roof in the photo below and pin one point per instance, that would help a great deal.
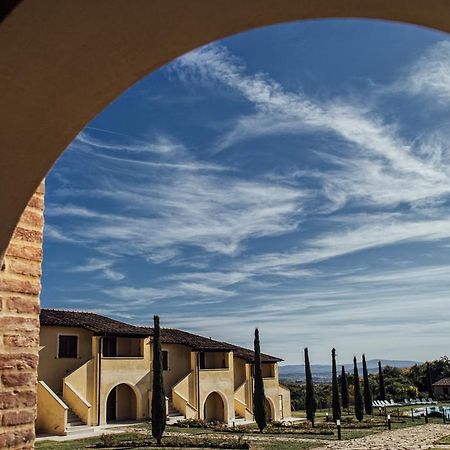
(96, 323)
(442, 382)
(101, 325)
(201, 343)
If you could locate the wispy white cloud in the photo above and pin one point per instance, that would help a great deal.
(102, 266)
(430, 75)
(379, 166)
(161, 145)
(214, 213)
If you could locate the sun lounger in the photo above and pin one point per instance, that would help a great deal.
(432, 402)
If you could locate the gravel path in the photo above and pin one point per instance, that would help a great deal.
(413, 438)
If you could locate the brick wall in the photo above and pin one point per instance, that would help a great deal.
(20, 286)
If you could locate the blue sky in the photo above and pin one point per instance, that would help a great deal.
(295, 178)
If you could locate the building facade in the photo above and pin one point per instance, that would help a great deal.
(441, 389)
(94, 370)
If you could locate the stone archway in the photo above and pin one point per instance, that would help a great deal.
(64, 62)
(214, 408)
(270, 410)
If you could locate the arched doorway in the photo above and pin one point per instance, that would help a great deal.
(214, 409)
(121, 404)
(269, 409)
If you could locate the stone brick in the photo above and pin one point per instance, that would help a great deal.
(17, 418)
(32, 218)
(18, 379)
(17, 399)
(27, 252)
(15, 438)
(8, 400)
(17, 323)
(23, 234)
(21, 304)
(21, 340)
(21, 286)
(36, 202)
(18, 361)
(24, 267)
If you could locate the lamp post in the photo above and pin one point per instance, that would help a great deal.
(338, 424)
(389, 421)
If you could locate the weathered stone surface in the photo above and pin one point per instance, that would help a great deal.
(32, 218)
(28, 252)
(36, 202)
(17, 323)
(18, 361)
(20, 273)
(22, 286)
(21, 340)
(21, 304)
(15, 438)
(16, 379)
(17, 418)
(23, 234)
(23, 267)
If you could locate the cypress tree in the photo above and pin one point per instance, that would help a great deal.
(381, 382)
(335, 399)
(367, 393)
(429, 381)
(310, 399)
(259, 398)
(158, 396)
(359, 408)
(344, 389)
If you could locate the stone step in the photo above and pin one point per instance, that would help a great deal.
(80, 429)
(75, 423)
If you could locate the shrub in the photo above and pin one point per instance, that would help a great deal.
(108, 440)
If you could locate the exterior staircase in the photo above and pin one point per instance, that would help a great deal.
(173, 414)
(238, 419)
(74, 424)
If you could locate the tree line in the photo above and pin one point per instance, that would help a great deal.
(347, 389)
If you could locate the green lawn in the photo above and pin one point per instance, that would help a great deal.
(299, 436)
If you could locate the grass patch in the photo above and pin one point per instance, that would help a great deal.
(444, 440)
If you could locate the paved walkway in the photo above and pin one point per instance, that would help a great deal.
(413, 438)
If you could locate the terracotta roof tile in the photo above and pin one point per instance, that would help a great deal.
(442, 382)
(90, 321)
(101, 325)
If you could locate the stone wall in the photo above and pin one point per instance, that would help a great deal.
(20, 285)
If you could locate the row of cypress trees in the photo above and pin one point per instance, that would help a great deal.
(362, 402)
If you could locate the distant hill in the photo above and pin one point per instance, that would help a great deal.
(322, 372)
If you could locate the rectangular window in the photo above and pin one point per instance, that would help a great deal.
(165, 358)
(67, 346)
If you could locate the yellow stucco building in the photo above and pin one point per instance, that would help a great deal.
(94, 370)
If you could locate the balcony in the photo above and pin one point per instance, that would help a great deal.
(122, 348)
(214, 361)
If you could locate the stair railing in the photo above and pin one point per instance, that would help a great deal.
(180, 397)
